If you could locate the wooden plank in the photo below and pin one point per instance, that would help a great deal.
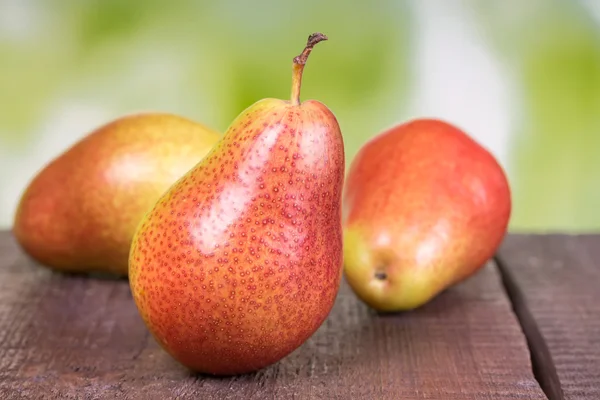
(74, 337)
(558, 277)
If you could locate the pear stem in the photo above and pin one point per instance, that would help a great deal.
(299, 62)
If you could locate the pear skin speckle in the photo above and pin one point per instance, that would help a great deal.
(240, 262)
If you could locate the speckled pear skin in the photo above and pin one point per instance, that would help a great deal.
(240, 262)
(425, 206)
(80, 212)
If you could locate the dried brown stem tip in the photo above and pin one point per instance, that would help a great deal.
(298, 65)
(312, 41)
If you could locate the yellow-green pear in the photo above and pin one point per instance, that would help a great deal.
(79, 213)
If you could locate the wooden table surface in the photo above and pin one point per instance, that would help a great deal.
(527, 326)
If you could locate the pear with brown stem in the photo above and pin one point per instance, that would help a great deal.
(240, 262)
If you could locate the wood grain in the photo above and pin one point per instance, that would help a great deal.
(559, 277)
(73, 337)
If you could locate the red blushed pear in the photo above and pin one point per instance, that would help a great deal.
(80, 212)
(424, 207)
(240, 262)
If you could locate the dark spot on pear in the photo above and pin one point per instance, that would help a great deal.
(380, 275)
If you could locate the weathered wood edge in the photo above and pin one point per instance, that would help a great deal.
(563, 264)
(543, 366)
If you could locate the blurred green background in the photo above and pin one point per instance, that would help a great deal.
(522, 78)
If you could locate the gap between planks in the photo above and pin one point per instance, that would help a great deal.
(542, 364)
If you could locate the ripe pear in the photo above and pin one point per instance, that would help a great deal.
(80, 212)
(240, 262)
(425, 206)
